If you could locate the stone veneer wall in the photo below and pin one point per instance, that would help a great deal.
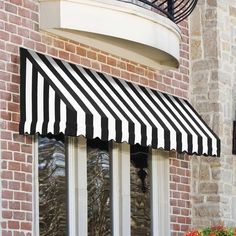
(213, 84)
(19, 27)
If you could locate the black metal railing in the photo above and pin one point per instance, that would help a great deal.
(175, 10)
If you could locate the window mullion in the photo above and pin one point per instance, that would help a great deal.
(77, 173)
(121, 189)
(160, 193)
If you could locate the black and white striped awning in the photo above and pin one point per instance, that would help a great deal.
(59, 97)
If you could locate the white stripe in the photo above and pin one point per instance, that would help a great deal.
(51, 110)
(40, 101)
(125, 123)
(160, 130)
(63, 90)
(138, 135)
(62, 126)
(194, 135)
(97, 118)
(144, 108)
(173, 144)
(28, 96)
(204, 138)
(205, 145)
(96, 115)
(137, 128)
(111, 119)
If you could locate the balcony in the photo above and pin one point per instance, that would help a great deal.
(138, 30)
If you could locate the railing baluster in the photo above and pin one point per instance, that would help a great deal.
(175, 10)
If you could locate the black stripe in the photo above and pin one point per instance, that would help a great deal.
(90, 97)
(71, 122)
(45, 107)
(200, 138)
(57, 114)
(34, 101)
(114, 101)
(44, 74)
(157, 117)
(190, 136)
(131, 126)
(206, 127)
(22, 90)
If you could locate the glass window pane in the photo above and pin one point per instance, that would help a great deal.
(99, 186)
(52, 187)
(140, 191)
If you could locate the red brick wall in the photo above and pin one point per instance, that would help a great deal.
(19, 27)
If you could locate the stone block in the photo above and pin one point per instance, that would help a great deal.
(207, 210)
(208, 188)
(196, 49)
(204, 172)
(195, 171)
(232, 11)
(216, 173)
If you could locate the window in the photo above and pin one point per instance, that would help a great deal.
(95, 188)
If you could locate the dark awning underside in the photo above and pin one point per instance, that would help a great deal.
(59, 97)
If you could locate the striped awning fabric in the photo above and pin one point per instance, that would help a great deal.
(59, 97)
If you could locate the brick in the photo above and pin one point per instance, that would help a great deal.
(26, 187)
(27, 23)
(14, 185)
(6, 175)
(19, 216)
(6, 194)
(26, 226)
(23, 32)
(35, 36)
(7, 214)
(19, 176)
(102, 58)
(6, 233)
(6, 155)
(4, 35)
(85, 62)
(18, 138)
(13, 224)
(20, 196)
(26, 148)
(13, 126)
(10, 8)
(58, 43)
(14, 166)
(13, 68)
(34, 17)
(81, 51)
(75, 58)
(29, 44)
(64, 55)
(19, 157)
(12, 146)
(14, 205)
(40, 47)
(10, 28)
(26, 206)
(46, 40)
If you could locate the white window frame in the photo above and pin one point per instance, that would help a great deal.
(120, 166)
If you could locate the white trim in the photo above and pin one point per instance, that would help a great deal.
(35, 187)
(77, 178)
(120, 167)
(160, 193)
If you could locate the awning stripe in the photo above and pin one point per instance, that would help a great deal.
(57, 96)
